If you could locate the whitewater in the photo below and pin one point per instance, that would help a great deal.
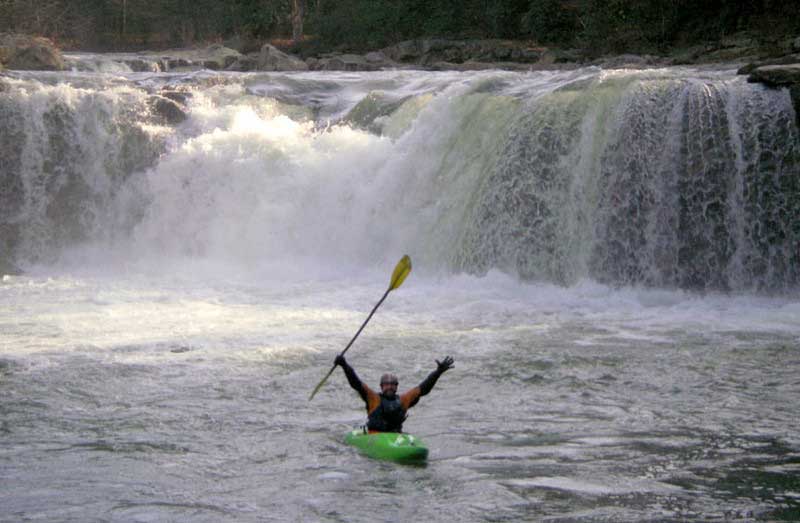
(609, 256)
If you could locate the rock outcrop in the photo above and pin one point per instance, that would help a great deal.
(271, 59)
(29, 53)
(777, 75)
(426, 51)
(167, 109)
(780, 76)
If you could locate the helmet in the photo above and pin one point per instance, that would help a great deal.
(389, 378)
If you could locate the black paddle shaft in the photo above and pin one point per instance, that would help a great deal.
(366, 321)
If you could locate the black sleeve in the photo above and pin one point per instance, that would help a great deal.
(354, 380)
(427, 384)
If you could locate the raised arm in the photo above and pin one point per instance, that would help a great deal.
(352, 377)
(441, 367)
(410, 398)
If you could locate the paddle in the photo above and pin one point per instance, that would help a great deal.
(400, 272)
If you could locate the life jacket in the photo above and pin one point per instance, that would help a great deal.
(388, 416)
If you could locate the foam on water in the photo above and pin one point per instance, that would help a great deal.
(668, 178)
(187, 285)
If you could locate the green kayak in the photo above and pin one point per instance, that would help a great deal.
(392, 446)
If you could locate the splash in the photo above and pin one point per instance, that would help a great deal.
(667, 178)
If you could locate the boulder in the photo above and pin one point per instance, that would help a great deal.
(218, 57)
(167, 110)
(374, 61)
(244, 63)
(776, 75)
(375, 57)
(555, 56)
(30, 53)
(347, 62)
(784, 60)
(781, 76)
(407, 51)
(271, 59)
(140, 65)
(429, 51)
(180, 97)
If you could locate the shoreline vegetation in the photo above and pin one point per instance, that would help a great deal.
(669, 32)
(759, 37)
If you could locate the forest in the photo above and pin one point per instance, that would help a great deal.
(360, 25)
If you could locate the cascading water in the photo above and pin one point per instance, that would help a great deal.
(663, 178)
(66, 151)
(195, 249)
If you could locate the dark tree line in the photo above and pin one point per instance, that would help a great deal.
(605, 25)
(125, 24)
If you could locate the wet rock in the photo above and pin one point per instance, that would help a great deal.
(29, 53)
(376, 57)
(271, 59)
(428, 51)
(479, 66)
(794, 93)
(177, 96)
(776, 75)
(373, 61)
(175, 63)
(348, 62)
(216, 57)
(167, 110)
(139, 65)
(219, 57)
(367, 114)
(783, 60)
(779, 76)
(244, 63)
(626, 61)
(559, 56)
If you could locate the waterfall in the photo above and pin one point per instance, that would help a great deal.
(670, 178)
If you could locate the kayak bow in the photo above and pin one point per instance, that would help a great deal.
(391, 446)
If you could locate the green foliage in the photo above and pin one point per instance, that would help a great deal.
(258, 18)
(369, 24)
(551, 21)
(346, 22)
(599, 25)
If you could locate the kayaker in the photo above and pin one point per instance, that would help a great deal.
(387, 411)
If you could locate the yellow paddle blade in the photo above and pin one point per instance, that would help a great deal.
(400, 272)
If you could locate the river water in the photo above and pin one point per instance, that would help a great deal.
(186, 286)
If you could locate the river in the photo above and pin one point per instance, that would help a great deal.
(626, 339)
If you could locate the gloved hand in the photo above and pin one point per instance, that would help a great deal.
(445, 364)
(339, 360)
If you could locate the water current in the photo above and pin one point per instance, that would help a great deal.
(610, 257)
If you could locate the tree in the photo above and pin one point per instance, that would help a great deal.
(298, 13)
